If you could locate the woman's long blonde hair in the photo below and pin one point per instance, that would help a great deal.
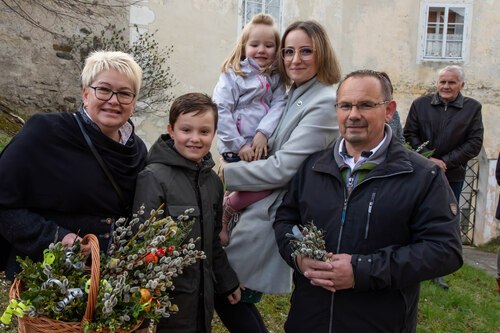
(238, 52)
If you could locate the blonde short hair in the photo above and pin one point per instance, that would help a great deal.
(124, 63)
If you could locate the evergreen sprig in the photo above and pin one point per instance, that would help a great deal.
(137, 275)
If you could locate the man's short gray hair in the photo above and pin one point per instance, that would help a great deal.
(456, 69)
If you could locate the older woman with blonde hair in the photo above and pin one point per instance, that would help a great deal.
(65, 175)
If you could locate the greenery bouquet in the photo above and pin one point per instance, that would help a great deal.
(132, 283)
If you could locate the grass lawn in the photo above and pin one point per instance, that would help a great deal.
(471, 305)
(4, 139)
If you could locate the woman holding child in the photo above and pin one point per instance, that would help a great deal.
(309, 67)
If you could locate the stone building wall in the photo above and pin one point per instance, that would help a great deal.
(38, 73)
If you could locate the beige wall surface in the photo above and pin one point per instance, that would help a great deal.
(381, 35)
(202, 33)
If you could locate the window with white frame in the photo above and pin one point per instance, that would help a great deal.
(445, 34)
(252, 7)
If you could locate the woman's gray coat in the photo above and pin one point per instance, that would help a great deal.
(308, 124)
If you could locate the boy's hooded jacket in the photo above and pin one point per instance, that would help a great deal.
(182, 184)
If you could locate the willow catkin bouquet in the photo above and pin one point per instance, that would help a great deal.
(136, 276)
(308, 241)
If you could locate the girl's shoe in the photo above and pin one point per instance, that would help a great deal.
(227, 216)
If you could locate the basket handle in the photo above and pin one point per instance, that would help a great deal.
(95, 272)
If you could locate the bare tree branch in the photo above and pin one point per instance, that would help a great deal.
(81, 11)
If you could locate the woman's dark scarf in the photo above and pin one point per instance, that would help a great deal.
(49, 166)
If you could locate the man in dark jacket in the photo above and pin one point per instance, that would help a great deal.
(388, 217)
(452, 126)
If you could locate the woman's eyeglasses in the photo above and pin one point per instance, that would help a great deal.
(105, 94)
(305, 53)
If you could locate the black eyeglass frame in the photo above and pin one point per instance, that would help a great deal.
(117, 93)
(367, 107)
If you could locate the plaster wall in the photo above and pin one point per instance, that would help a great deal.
(202, 33)
(381, 35)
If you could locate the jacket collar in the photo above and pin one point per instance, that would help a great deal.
(458, 102)
(375, 157)
(392, 158)
(297, 92)
(126, 130)
(249, 66)
(163, 152)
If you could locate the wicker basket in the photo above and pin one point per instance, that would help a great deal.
(43, 324)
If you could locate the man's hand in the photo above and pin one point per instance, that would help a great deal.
(319, 272)
(334, 274)
(343, 276)
(246, 153)
(259, 146)
(439, 163)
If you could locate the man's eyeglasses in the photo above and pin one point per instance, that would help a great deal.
(105, 94)
(362, 106)
(305, 53)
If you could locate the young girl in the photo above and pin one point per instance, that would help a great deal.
(179, 173)
(250, 98)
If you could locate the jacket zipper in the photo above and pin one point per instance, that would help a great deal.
(342, 221)
(370, 207)
(200, 207)
(262, 79)
(350, 184)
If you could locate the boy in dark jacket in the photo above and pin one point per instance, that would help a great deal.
(179, 174)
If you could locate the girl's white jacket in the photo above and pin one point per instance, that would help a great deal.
(247, 105)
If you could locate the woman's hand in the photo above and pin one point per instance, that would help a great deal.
(71, 238)
(220, 171)
(259, 146)
(246, 153)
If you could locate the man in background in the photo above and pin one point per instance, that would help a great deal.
(451, 124)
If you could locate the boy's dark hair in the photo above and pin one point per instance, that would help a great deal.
(192, 102)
